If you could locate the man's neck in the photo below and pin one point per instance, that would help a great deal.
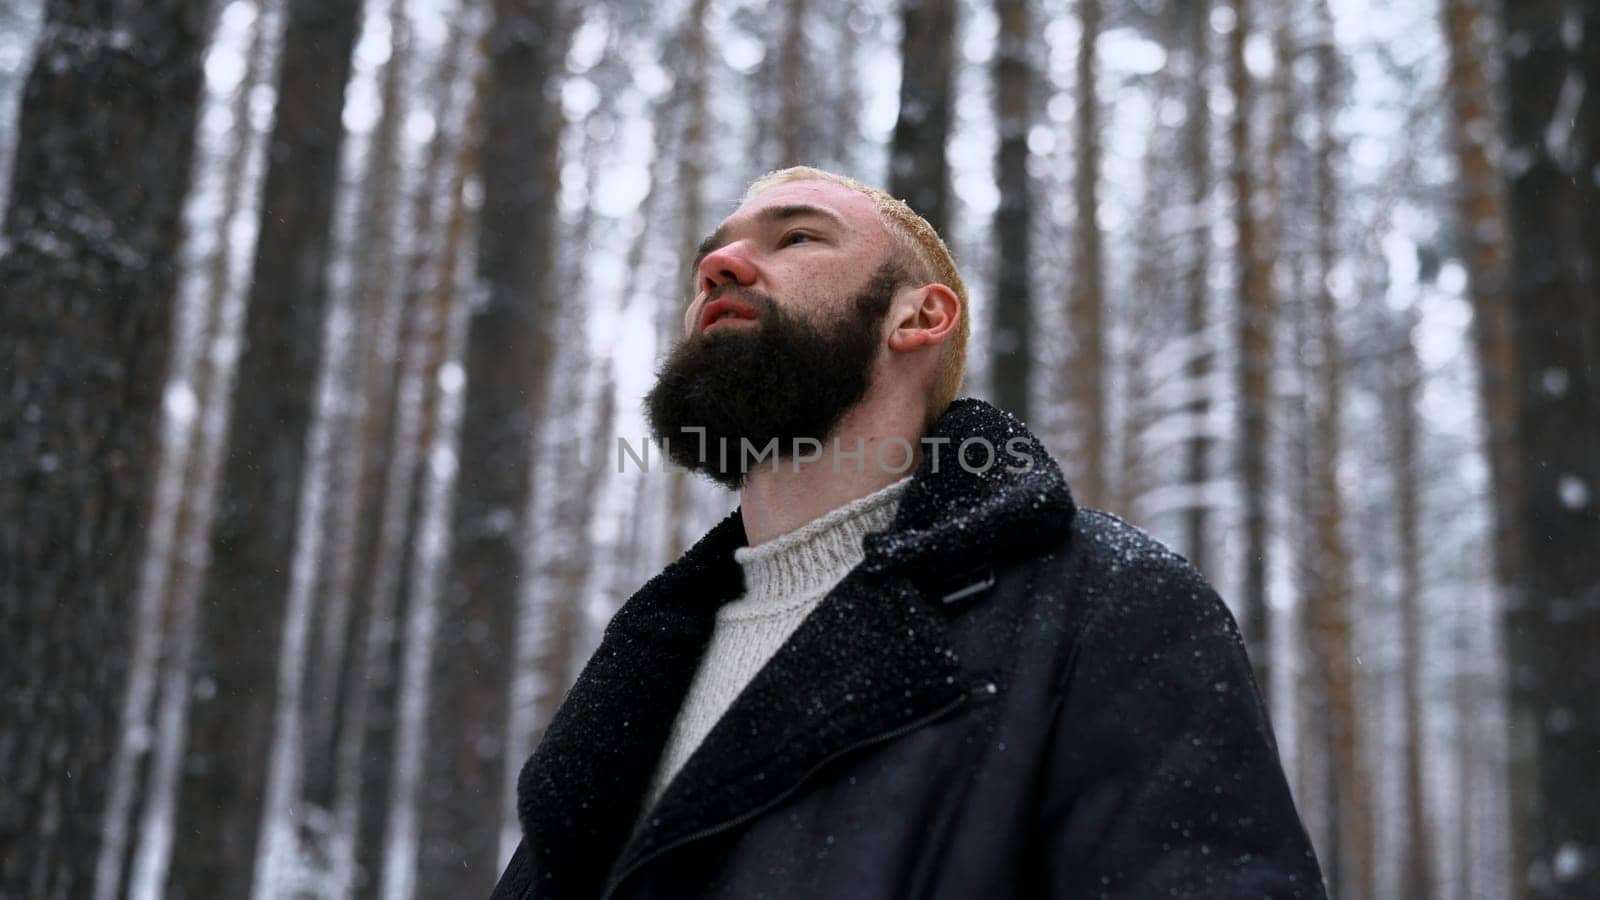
(773, 503)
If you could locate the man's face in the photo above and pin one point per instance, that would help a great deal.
(782, 334)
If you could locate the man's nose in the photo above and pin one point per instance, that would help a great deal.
(724, 265)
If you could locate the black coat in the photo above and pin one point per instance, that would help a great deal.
(1008, 697)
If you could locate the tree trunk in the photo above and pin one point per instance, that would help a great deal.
(253, 534)
(1481, 224)
(1309, 711)
(844, 139)
(1484, 247)
(1553, 622)
(919, 171)
(1416, 857)
(1255, 323)
(88, 274)
(367, 380)
(188, 457)
(1332, 614)
(390, 863)
(1086, 364)
(363, 787)
(567, 480)
(509, 345)
(795, 134)
(215, 371)
(691, 151)
(1197, 450)
(1152, 315)
(574, 572)
(1010, 338)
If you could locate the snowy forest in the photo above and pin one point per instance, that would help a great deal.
(323, 324)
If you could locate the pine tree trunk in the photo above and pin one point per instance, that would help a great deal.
(1197, 450)
(919, 171)
(508, 352)
(1485, 250)
(253, 533)
(88, 272)
(1010, 337)
(1310, 707)
(691, 151)
(1086, 365)
(366, 389)
(1255, 324)
(1332, 613)
(366, 753)
(844, 139)
(1153, 312)
(191, 455)
(390, 863)
(216, 370)
(1553, 622)
(574, 473)
(1481, 223)
(1416, 857)
(795, 134)
(567, 479)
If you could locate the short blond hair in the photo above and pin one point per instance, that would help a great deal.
(920, 250)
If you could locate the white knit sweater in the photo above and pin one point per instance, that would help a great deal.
(785, 579)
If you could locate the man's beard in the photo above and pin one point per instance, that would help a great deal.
(787, 380)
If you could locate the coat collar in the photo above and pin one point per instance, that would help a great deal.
(869, 662)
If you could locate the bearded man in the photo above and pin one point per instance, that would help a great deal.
(907, 666)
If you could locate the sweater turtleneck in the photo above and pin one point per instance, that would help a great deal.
(785, 579)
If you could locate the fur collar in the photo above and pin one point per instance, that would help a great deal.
(869, 662)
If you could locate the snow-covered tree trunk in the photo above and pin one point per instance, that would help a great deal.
(392, 805)
(1197, 537)
(258, 514)
(363, 792)
(1416, 859)
(690, 155)
(366, 387)
(1010, 336)
(1255, 324)
(1154, 390)
(510, 341)
(88, 273)
(1331, 608)
(198, 381)
(1481, 223)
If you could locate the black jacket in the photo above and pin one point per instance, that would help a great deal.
(1009, 697)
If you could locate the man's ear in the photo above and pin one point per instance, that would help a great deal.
(926, 317)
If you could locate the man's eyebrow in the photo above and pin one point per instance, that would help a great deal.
(767, 216)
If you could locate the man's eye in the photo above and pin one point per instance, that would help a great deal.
(795, 237)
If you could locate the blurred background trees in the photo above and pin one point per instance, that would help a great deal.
(321, 323)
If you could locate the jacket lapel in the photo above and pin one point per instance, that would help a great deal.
(869, 662)
(579, 793)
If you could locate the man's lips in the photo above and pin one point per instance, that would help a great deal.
(723, 306)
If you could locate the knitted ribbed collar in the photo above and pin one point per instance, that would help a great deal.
(812, 558)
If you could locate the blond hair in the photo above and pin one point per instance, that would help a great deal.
(920, 250)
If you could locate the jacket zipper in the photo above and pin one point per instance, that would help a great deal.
(750, 814)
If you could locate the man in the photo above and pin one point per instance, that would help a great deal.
(907, 666)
